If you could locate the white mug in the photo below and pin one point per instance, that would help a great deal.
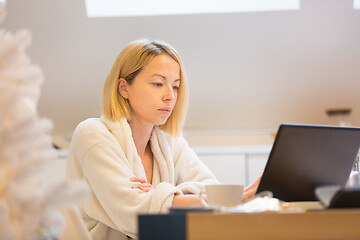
(222, 195)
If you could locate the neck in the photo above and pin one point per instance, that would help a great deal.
(141, 134)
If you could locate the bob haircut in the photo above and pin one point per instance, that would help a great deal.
(127, 65)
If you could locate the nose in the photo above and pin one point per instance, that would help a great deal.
(169, 94)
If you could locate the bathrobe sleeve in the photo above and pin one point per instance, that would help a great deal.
(101, 162)
(191, 174)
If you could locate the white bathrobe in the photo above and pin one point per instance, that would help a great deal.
(103, 153)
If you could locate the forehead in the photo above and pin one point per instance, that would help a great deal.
(162, 64)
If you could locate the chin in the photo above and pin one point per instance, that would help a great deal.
(161, 122)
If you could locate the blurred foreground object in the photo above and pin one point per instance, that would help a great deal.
(2, 10)
(30, 203)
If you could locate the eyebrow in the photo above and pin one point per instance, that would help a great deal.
(163, 77)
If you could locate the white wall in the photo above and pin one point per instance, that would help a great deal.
(246, 70)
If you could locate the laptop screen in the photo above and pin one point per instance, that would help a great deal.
(304, 157)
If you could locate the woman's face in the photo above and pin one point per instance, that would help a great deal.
(153, 92)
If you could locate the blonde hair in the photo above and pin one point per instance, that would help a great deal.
(127, 65)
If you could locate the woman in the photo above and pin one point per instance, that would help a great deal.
(133, 156)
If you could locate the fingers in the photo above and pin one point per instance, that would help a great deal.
(259, 179)
(145, 189)
(255, 184)
(252, 187)
(248, 193)
(138, 179)
(142, 184)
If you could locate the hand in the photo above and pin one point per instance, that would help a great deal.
(251, 189)
(142, 184)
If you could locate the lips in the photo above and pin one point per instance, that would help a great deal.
(165, 110)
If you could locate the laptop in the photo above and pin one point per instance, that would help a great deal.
(304, 157)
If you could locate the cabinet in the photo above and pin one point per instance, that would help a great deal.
(229, 169)
(235, 164)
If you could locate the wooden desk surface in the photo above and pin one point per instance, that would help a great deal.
(330, 224)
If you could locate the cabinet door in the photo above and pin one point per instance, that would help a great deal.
(229, 169)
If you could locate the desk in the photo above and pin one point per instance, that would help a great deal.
(329, 224)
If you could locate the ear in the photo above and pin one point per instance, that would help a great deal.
(123, 88)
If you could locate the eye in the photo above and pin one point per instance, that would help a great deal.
(157, 84)
(175, 87)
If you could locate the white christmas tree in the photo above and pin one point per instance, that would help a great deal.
(29, 202)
